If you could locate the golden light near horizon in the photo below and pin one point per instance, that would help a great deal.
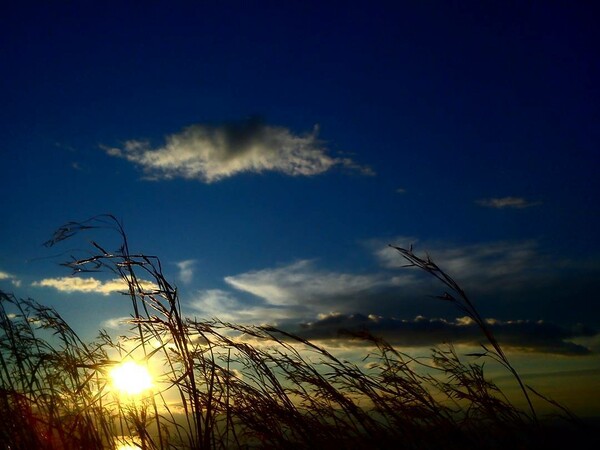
(131, 378)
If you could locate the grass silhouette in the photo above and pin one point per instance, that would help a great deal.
(224, 385)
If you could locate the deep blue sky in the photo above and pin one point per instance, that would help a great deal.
(467, 128)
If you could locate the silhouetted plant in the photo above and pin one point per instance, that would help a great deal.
(240, 386)
(458, 297)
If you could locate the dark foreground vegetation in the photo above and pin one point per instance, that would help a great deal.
(230, 386)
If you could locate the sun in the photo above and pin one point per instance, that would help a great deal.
(128, 447)
(131, 378)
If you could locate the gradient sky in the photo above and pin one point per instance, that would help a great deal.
(268, 154)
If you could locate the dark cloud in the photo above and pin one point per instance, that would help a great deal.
(523, 335)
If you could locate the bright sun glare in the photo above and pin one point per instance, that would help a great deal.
(128, 447)
(131, 378)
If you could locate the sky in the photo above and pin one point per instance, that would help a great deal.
(269, 152)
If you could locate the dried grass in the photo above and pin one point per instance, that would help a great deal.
(243, 386)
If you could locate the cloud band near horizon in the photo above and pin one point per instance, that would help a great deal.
(521, 335)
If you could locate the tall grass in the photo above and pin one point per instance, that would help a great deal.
(50, 382)
(225, 385)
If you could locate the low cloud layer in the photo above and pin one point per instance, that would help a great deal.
(522, 335)
(506, 202)
(212, 153)
(89, 285)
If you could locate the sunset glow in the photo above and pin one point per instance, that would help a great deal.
(299, 224)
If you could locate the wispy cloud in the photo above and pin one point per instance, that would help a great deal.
(487, 263)
(217, 303)
(116, 323)
(506, 202)
(10, 277)
(302, 283)
(485, 269)
(186, 270)
(212, 153)
(90, 285)
(522, 335)
(507, 278)
(301, 290)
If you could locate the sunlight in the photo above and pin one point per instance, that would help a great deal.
(128, 447)
(131, 378)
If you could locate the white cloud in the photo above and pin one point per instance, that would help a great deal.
(212, 153)
(90, 285)
(506, 202)
(113, 151)
(116, 323)
(10, 277)
(186, 270)
(298, 291)
(223, 305)
(300, 283)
